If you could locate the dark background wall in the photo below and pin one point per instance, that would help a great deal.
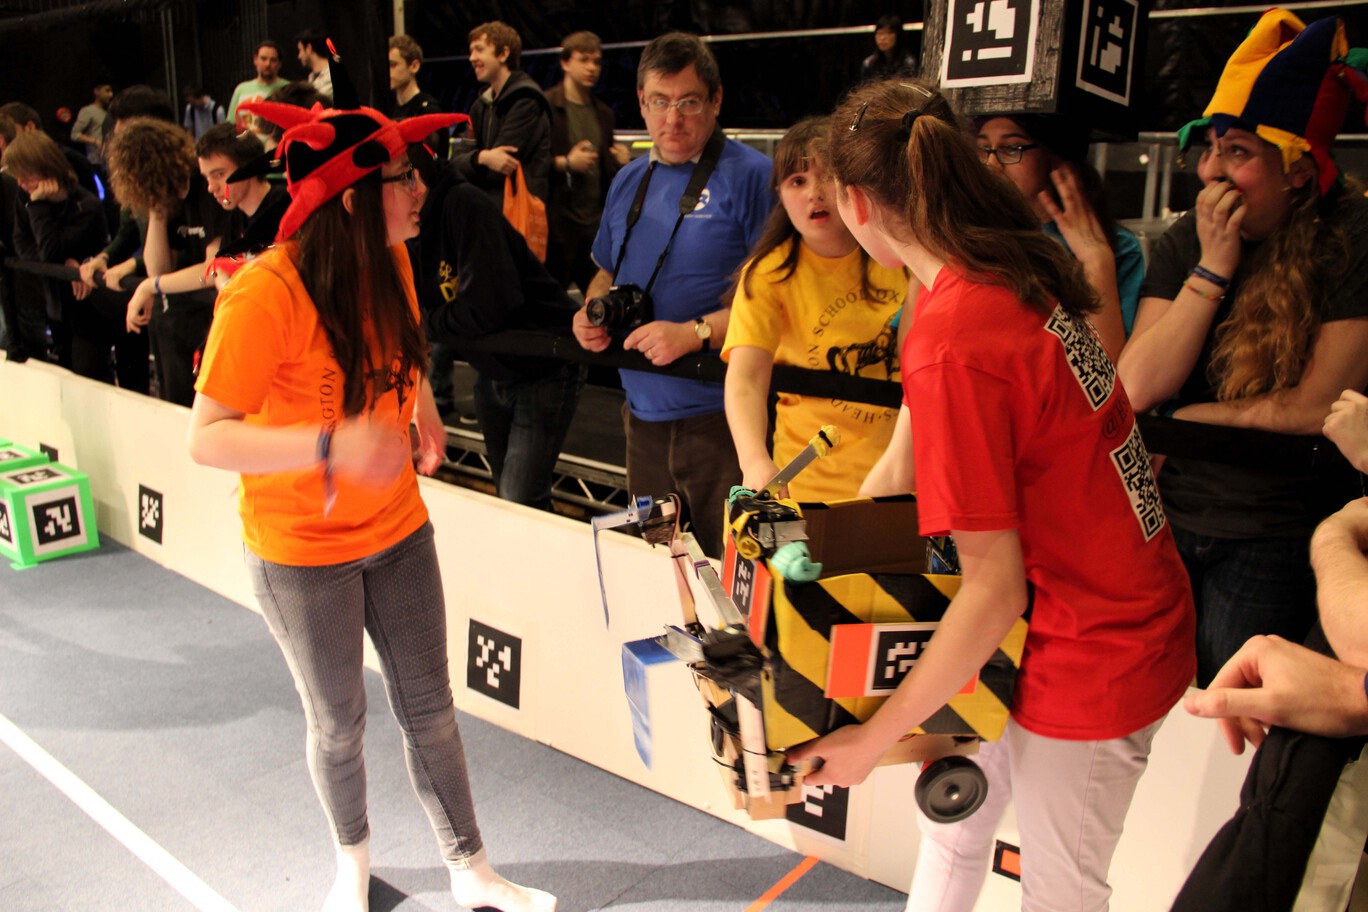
(51, 50)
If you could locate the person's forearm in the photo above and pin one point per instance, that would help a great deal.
(1107, 320)
(1291, 411)
(976, 623)
(253, 449)
(1160, 355)
(599, 285)
(746, 394)
(1342, 587)
(157, 257)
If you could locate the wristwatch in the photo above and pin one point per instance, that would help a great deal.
(703, 331)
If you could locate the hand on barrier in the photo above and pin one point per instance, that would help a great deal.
(92, 269)
(1271, 681)
(662, 341)
(369, 454)
(79, 290)
(114, 275)
(1347, 427)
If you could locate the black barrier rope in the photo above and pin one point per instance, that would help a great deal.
(1168, 436)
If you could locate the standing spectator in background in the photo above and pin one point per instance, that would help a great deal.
(677, 436)
(59, 222)
(25, 325)
(890, 58)
(201, 111)
(584, 159)
(312, 46)
(89, 126)
(405, 60)
(510, 122)
(267, 63)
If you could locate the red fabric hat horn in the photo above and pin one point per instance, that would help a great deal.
(324, 151)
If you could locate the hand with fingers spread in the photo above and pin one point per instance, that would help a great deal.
(1347, 427)
(663, 341)
(1074, 217)
(1220, 212)
(1271, 681)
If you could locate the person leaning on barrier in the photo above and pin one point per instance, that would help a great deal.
(677, 436)
(1254, 313)
(59, 222)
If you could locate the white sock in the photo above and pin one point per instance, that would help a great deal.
(480, 885)
(351, 890)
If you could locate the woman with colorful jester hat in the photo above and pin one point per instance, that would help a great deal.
(313, 372)
(1254, 313)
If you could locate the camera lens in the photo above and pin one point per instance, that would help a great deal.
(597, 311)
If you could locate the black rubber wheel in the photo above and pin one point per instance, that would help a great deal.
(951, 789)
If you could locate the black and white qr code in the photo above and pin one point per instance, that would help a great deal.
(1133, 465)
(1085, 355)
(494, 664)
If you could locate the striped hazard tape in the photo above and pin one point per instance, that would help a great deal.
(838, 646)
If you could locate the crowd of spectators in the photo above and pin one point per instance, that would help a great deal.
(1251, 311)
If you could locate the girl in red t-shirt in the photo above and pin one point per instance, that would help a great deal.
(1024, 448)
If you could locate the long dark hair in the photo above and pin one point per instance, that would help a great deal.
(901, 143)
(347, 267)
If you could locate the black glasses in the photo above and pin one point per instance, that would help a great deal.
(1006, 155)
(408, 177)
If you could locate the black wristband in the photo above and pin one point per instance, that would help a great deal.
(1202, 272)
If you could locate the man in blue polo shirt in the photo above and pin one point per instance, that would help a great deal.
(677, 437)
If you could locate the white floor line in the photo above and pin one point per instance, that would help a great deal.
(181, 879)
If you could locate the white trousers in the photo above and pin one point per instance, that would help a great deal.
(1071, 801)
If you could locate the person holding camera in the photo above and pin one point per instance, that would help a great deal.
(676, 225)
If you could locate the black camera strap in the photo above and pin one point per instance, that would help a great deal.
(698, 182)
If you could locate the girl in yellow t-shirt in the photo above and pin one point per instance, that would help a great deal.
(810, 297)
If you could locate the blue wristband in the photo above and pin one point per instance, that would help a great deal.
(1202, 272)
(156, 285)
(1365, 684)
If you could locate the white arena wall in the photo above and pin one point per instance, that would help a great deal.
(531, 576)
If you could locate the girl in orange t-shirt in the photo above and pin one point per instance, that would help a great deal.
(313, 372)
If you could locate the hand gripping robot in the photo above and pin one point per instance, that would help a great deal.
(820, 611)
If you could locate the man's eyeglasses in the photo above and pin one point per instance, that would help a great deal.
(408, 177)
(687, 107)
(1006, 155)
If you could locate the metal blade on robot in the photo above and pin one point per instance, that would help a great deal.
(820, 444)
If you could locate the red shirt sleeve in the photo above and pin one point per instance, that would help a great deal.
(964, 441)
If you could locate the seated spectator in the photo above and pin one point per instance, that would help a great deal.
(475, 275)
(59, 222)
(1046, 157)
(806, 259)
(1254, 313)
(891, 57)
(152, 165)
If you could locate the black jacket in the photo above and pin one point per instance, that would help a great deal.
(475, 275)
(520, 117)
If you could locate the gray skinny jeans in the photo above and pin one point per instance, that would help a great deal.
(317, 615)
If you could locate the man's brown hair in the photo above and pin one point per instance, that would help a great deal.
(407, 48)
(585, 42)
(33, 155)
(502, 36)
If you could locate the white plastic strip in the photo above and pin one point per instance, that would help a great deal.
(181, 879)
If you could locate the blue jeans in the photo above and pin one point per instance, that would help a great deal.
(524, 423)
(317, 615)
(1243, 588)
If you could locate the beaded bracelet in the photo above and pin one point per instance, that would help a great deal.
(1214, 298)
(1202, 272)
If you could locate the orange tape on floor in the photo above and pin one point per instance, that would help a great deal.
(788, 880)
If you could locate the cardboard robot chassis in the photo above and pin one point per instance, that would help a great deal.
(820, 611)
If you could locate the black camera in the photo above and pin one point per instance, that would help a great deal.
(623, 307)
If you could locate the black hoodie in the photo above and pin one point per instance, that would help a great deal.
(521, 117)
(475, 275)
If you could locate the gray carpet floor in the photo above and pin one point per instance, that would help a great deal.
(175, 706)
